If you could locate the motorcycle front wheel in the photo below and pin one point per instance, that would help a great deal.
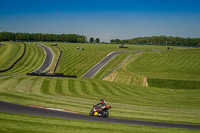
(91, 113)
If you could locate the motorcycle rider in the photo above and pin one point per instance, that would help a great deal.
(103, 104)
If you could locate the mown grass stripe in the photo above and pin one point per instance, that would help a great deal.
(36, 86)
(45, 87)
(10, 53)
(26, 61)
(24, 86)
(77, 87)
(96, 89)
(9, 84)
(30, 61)
(52, 87)
(72, 89)
(107, 89)
(120, 90)
(84, 88)
(65, 87)
(59, 89)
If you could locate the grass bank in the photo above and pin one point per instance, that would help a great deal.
(33, 58)
(9, 53)
(174, 64)
(132, 102)
(76, 61)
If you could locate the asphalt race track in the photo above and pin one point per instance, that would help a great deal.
(29, 110)
(48, 60)
(102, 63)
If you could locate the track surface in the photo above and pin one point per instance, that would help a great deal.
(48, 60)
(102, 63)
(29, 110)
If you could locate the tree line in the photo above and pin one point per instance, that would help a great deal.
(160, 40)
(10, 36)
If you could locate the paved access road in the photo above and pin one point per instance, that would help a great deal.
(29, 110)
(48, 59)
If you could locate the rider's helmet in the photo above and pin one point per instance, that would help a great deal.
(103, 102)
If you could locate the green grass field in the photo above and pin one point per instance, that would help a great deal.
(173, 64)
(134, 90)
(9, 53)
(77, 62)
(132, 102)
(33, 58)
(176, 69)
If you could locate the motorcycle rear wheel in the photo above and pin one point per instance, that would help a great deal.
(105, 114)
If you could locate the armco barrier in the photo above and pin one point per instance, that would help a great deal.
(52, 75)
(15, 61)
(54, 70)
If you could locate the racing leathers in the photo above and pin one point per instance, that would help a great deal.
(102, 105)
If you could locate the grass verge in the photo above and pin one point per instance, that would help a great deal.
(26, 123)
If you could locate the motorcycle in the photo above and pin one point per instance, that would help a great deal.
(100, 111)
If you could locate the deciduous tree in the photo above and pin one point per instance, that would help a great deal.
(97, 40)
(91, 40)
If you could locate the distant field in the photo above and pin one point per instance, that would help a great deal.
(178, 69)
(173, 64)
(76, 61)
(9, 53)
(13, 123)
(32, 59)
(127, 101)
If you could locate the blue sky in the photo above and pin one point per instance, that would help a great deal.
(106, 19)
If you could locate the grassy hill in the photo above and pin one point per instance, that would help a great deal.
(76, 61)
(169, 69)
(33, 58)
(173, 64)
(80, 94)
(128, 93)
(9, 53)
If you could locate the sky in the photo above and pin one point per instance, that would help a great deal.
(104, 19)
